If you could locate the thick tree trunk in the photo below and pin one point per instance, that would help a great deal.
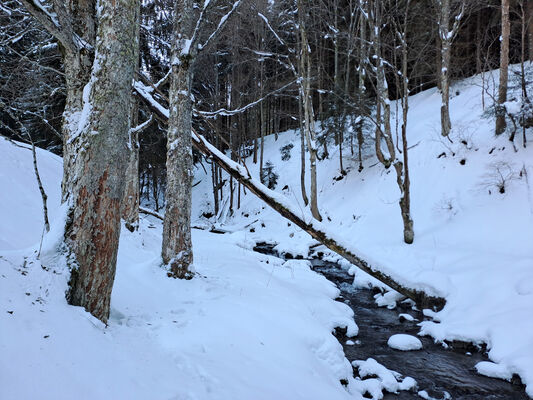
(97, 178)
(504, 69)
(177, 244)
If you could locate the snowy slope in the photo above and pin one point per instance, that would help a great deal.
(473, 244)
(247, 327)
(20, 200)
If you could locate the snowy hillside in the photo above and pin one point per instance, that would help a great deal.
(472, 205)
(248, 326)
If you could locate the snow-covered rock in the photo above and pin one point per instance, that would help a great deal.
(404, 342)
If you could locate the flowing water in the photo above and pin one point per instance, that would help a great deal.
(443, 372)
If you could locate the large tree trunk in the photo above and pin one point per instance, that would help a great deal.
(177, 243)
(504, 69)
(97, 178)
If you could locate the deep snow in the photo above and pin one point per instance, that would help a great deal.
(253, 326)
(247, 326)
(473, 244)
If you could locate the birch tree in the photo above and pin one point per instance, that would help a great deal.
(448, 11)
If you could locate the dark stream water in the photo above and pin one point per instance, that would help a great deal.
(438, 370)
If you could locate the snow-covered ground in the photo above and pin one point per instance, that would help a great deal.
(473, 245)
(248, 326)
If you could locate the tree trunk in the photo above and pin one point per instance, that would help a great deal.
(177, 243)
(131, 201)
(309, 123)
(97, 178)
(302, 152)
(504, 69)
(446, 44)
(529, 13)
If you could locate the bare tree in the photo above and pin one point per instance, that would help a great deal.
(448, 10)
(307, 104)
(504, 69)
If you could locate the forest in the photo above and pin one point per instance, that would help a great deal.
(157, 153)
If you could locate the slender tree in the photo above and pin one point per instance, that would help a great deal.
(504, 69)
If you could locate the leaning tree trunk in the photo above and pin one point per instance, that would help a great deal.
(504, 67)
(93, 229)
(177, 242)
(282, 207)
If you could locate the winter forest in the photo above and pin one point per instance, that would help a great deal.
(266, 200)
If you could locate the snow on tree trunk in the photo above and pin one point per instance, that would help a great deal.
(446, 44)
(177, 244)
(77, 65)
(130, 202)
(504, 68)
(97, 175)
(309, 122)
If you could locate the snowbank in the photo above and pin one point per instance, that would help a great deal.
(248, 326)
(472, 242)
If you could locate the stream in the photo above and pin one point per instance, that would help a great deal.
(444, 373)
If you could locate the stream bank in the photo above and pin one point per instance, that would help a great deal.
(442, 371)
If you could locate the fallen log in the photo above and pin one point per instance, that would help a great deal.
(279, 203)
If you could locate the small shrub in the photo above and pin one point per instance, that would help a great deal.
(268, 176)
(286, 152)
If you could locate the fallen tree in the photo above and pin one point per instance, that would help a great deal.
(279, 203)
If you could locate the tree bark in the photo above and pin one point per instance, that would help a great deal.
(309, 122)
(177, 243)
(131, 200)
(529, 13)
(446, 44)
(504, 69)
(97, 178)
